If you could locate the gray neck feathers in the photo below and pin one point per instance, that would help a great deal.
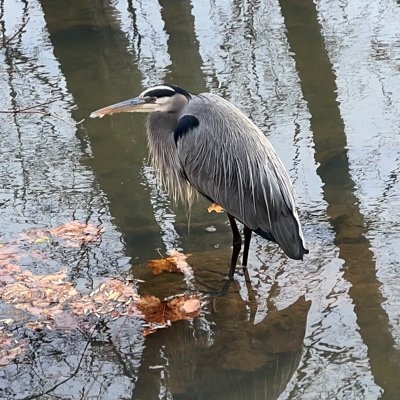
(164, 158)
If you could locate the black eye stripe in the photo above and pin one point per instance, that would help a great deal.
(160, 93)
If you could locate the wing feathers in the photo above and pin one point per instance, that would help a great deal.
(227, 158)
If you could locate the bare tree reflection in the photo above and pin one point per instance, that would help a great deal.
(238, 360)
(183, 46)
(319, 89)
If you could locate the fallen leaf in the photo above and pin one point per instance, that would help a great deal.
(162, 264)
(185, 307)
(215, 207)
(160, 313)
(40, 295)
(112, 296)
(76, 233)
(10, 348)
(9, 269)
(8, 254)
(41, 239)
(34, 325)
(55, 303)
(179, 259)
(7, 321)
(175, 262)
(191, 306)
(16, 293)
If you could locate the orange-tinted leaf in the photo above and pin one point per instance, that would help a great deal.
(215, 207)
(159, 314)
(162, 264)
(191, 307)
(175, 262)
(184, 307)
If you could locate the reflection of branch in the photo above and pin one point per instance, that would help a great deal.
(20, 29)
(30, 109)
(35, 109)
(39, 395)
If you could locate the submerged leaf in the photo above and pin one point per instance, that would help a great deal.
(175, 262)
(162, 264)
(160, 313)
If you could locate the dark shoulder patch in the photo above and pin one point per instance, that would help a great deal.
(185, 124)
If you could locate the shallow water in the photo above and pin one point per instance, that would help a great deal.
(323, 82)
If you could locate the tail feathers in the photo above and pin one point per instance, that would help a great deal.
(286, 232)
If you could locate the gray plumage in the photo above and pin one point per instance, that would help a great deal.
(204, 143)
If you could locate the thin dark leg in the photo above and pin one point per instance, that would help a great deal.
(247, 238)
(237, 244)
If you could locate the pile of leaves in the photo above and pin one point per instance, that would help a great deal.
(52, 302)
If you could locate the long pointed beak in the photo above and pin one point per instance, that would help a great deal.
(137, 104)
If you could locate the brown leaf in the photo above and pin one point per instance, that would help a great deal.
(8, 254)
(10, 348)
(41, 295)
(159, 314)
(175, 262)
(34, 325)
(76, 233)
(160, 265)
(215, 207)
(56, 303)
(179, 259)
(9, 269)
(7, 274)
(191, 307)
(184, 307)
(16, 293)
(106, 299)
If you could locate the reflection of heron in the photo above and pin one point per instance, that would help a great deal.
(203, 142)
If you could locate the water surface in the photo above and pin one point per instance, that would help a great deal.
(322, 81)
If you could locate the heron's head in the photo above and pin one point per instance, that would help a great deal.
(163, 98)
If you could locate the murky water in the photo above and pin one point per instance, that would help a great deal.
(323, 82)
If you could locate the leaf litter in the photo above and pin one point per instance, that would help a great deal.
(53, 303)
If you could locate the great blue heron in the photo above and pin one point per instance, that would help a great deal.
(204, 143)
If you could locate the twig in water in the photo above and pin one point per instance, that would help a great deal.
(34, 110)
(20, 29)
